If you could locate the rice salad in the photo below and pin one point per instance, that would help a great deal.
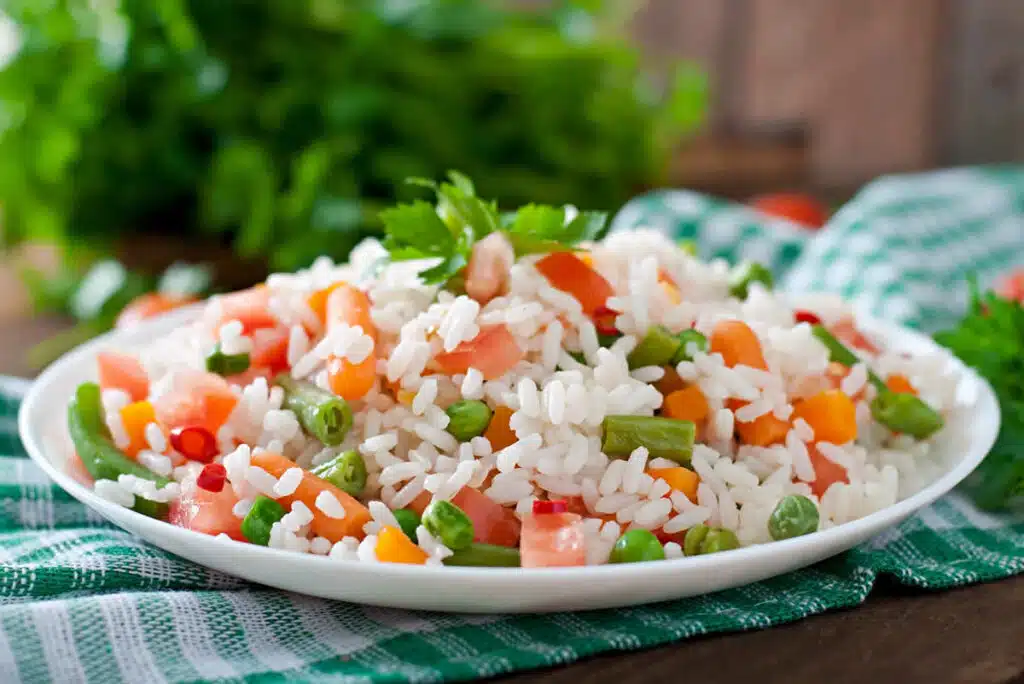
(506, 390)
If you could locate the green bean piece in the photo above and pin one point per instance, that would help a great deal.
(478, 555)
(906, 414)
(408, 520)
(101, 458)
(636, 546)
(745, 275)
(467, 419)
(323, 415)
(346, 471)
(719, 539)
(579, 358)
(227, 364)
(449, 523)
(794, 516)
(662, 437)
(838, 352)
(607, 339)
(694, 538)
(657, 348)
(261, 517)
(686, 338)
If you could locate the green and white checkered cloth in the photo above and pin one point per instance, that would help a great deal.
(82, 601)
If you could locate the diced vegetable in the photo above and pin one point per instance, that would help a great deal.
(900, 384)
(318, 300)
(552, 540)
(745, 275)
(147, 306)
(763, 431)
(408, 520)
(662, 437)
(831, 414)
(311, 486)
(123, 372)
(737, 344)
(447, 522)
(352, 381)
(260, 518)
(906, 414)
(794, 516)
(195, 443)
(489, 265)
(847, 331)
(680, 479)
(670, 382)
(498, 431)
(101, 458)
(249, 307)
(657, 348)
(688, 338)
(826, 472)
(838, 353)
(227, 364)
(793, 206)
(492, 523)
(270, 349)
(348, 305)
(393, 546)
(468, 418)
(688, 403)
(212, 477)
(196, 399)
(485, 556)
(701, 540)
(566, 272)
(323, 415)
(135, 417)
(808, 317)
(346, 471)
(637, 546)
(201, 510)
(493, 352)
(604, 322)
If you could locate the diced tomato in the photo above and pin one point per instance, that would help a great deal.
(1012, 287)
(808, 317)
(604, 320)
(847, 333)
(196, 399)
(270, 349)
(796, 207)
(568, 273)
(149, 305)
(493, 352)
(250, 307)
(552, 540)
(492, 523)
(204, 511)
(123, 372)
(826, 472)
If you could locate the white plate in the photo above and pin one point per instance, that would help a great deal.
(971, 433)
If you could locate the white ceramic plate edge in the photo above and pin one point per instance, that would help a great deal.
(480, 590)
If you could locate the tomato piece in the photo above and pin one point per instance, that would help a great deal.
(493, 352)
(492, 522)
(795, 207)
(196, 399)
(123, 372)
(847, 333)
(250, 307)
(568, 273)
(1012, 287)
(826, 472)
(552, 540)
(201, 510)
(270, 349)
(147, 306)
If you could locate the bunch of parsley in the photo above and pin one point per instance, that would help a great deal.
(990, 339)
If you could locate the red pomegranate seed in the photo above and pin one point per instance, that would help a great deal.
(546, 507)
(194, 442)
(212, 477)
(806, 317)
(604, 320)
(664, 537)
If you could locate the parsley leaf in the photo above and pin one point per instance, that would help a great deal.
(539, 228)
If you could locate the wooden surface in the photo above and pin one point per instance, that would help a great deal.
(971, 635)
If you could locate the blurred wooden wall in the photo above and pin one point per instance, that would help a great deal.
(831, 93)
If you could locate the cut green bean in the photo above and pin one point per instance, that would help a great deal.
(745, 275)
(227, 364)
(485, 556)
(906, 414)
(657, 348)
(467, 419)
(838, 352)
(408, 520)
(447, 522)
(260, 518)
(687, 339)
(662, 437)
(101, 458)
(346, 471)
(323, 415)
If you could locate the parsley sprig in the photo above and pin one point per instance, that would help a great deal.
(448, 229)
(990, 339)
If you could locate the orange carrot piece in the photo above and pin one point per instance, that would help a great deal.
(394, 547)
(356, 514)
(135, 417)
(764, 431)
(568, 273)
(351, 381)
(831, 414)
(499, 433)
(687, 404)
(738, 345)
(900, 384)
(349, 305)
(318, 300)
(679, 478)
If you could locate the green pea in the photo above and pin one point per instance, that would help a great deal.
(694, 538)
(746, 274)
(467, 419)
(346, 471)
(449, 523)
(657, 348)
(408, 520)
(686, 338)
(260, 518)
(794, 516)
(719, 539)
(636, 546)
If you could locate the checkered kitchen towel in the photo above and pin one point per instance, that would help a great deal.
(83, 601)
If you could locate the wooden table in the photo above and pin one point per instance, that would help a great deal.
(970, 635)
